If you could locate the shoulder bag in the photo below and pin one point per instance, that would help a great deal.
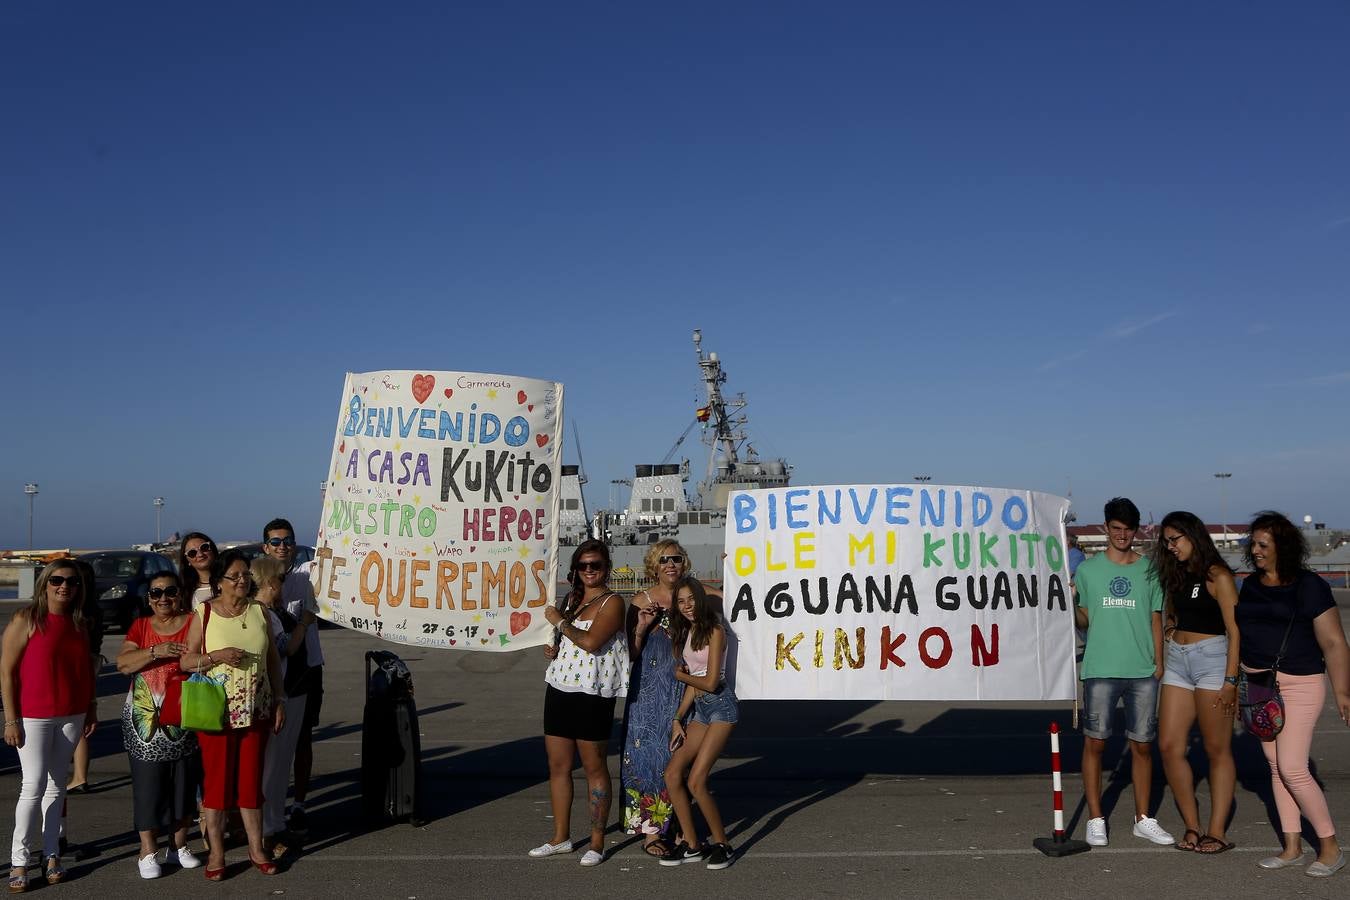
(203, 698)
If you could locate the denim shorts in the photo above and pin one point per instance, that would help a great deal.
(1200, 665)
(718, 707)
(1100, 696)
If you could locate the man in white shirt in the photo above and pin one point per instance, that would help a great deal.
(297, 595)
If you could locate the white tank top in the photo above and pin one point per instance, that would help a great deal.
(603, 673)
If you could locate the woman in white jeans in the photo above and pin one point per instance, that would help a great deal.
(47, 681)
(289, 633)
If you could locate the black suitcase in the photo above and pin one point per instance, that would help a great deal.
(391, 746)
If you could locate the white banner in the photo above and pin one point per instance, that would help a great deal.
(891, 592)
(439, 522)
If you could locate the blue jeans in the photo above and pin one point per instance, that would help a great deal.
(1100, 696)
(718, 707)
(1200, 665)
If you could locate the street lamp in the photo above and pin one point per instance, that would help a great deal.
(1223, 502)
(31, 490)
(159, 504)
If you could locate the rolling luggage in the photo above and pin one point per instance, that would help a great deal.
(391, 747)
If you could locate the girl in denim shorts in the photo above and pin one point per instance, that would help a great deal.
(699, 640)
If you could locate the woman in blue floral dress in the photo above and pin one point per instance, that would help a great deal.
(653, 697)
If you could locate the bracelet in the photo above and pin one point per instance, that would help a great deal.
(1230, 679)
(9, 722)
(152, 650)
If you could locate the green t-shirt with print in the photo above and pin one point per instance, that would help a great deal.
(1120, 603)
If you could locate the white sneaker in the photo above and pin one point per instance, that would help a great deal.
(1150, 830)
(183, 856)
(550, 849)
(1096, 832)
(149, 866)
(592, 858)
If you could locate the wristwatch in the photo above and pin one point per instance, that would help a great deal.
(1231, 679)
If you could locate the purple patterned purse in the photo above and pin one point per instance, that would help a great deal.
(1259, 702)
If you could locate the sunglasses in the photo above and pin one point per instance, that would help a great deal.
(170, 592)
(677, 560)
(281, 542)
(72, 581)
(202, 549)
(587, 565)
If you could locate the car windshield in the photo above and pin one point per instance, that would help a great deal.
(111, 565)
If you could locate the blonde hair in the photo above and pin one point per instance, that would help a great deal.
(660, 549)
(266, 568)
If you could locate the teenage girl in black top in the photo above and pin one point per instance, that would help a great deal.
(1200, 680)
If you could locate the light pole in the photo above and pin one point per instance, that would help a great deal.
(159, 505)
(31, 490)
(1223, 502)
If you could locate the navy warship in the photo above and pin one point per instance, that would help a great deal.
(659, 506)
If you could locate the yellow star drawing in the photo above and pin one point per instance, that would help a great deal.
(346, 540)
(398, 445)
(417, 498)
(478, 618)
(524, 552)
(492, 394)
(428, 549)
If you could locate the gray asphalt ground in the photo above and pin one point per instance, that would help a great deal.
(822, 799)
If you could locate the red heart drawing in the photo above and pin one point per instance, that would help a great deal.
(520, 396)
(386, 545)
(541, 439)
(421, 387)
(530, 408)
(489, 631)
(519, 622)
(452, 642)
(449, 393)
(342, 447)
(473, 547)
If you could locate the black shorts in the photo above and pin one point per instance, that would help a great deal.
(578, 716)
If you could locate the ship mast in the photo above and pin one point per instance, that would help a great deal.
(726, 420)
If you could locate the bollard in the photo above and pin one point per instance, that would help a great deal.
(1059, 845)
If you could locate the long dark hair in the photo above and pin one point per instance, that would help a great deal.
(1291, 547)
(188, 574)
(706, 618)
(576, 595)
(1173, 575)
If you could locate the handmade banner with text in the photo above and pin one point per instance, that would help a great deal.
(889, 592)
(439, 514)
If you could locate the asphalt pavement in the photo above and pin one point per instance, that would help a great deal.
(821, 799)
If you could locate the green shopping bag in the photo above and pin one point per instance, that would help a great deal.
(203, 704)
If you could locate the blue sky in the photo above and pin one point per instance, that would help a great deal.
(1025, 245)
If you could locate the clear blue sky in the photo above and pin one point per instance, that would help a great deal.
(1020, 245)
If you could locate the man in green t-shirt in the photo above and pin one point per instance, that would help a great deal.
(1120, 604)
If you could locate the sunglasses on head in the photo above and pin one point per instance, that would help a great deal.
(69, 580)
(171, 592)
(281, 542)
(676, 559)
(202, 549)
(589, 565)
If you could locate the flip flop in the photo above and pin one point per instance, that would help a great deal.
(1215, 845)
(657, 848)
(1186, 843)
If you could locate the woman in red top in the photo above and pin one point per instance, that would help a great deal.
(47, 680)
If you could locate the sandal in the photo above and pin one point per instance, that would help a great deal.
(657, 848)
(1209, 845)
(18, 883)
(1187, 843)
(55, 874)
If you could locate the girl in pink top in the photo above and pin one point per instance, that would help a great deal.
(47, 680)
(699, 640)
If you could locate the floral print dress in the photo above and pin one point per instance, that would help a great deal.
(653, 698)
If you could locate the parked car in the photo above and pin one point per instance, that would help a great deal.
(121, 579)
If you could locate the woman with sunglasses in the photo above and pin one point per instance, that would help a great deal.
(47, 682)
(1199, 682)
(165, 767)
(588, 672)
(653, 697)
(196, 563)
(230, 640)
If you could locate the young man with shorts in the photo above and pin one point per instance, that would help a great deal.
(1119, 602)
